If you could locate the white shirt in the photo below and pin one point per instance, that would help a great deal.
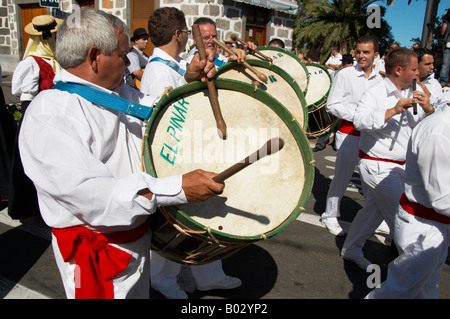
(427, 174)
(335, 59)
(158, 76)
(25, 79)
(219, 59)
(380, 65)
(85, 161)
(348, 87)
(434, 87)
(135, 64)
(380, 139)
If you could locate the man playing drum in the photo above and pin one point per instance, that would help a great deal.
(84, 160)
(169, 34)
(348, 87)
(209, 32)
(385, 115)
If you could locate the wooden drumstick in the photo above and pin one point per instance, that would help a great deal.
(272, 146)
(220, 122)
(261, 76)
(234, 37)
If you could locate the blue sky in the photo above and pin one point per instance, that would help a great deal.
(407, 20)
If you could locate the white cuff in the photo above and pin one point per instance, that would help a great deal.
(167, 191)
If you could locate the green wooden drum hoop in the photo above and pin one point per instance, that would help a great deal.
(273, 104)
(281, 72)
(314, 105)
(277, 49)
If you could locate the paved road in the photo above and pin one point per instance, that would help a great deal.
(302, 261)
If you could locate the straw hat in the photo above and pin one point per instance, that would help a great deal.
(228, 40)
(43, 25)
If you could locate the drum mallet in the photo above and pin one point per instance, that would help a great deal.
(211, 87)
(235, 38)
(261, 76)
(272, 146)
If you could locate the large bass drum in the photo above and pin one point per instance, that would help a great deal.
(257, 202)
(280, 85)
(286, 60)
(320, 122)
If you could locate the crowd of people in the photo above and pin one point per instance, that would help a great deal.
(93, 194)
(387, 116)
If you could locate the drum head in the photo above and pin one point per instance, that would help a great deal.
(286, 60)
(319, 85)
(258, 201)
(280, 85)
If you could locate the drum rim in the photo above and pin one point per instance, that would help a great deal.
(285, 75)
(297, 132)
(313, 106)
(272, 48)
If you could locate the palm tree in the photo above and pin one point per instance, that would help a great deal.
(323, 23)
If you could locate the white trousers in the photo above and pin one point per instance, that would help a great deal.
(132, 283)
(346, 161)
(383, 187)
(164, 272)
(423, 246)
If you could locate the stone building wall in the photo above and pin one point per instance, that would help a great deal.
(229, 17)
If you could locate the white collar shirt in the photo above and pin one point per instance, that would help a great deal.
(346, 90)
(158, 76)
(434, 87)
(85, 161)
(427, 174)
(219, 59)
(380, 139)
(335, 59)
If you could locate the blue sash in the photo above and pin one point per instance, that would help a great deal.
(169, 63)
(107, 100)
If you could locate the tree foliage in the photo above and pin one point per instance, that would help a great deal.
(323, 23)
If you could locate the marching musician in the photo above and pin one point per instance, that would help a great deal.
(84, 159)
(334, 61)
(276, 43)
(348, 86)
(423, 214)
(208, 31)
(426, 73)
(166, 69)
(138, 58)
(385, 115)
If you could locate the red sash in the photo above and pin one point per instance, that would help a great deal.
(347, 127)
(46, 74)
(419, 210)
(363, 155)
(97, 261)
